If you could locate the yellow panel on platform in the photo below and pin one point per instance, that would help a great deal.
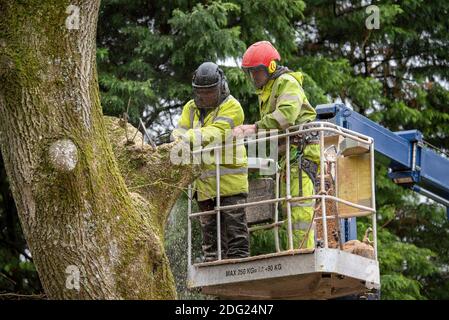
(354, 184)
(332, 140)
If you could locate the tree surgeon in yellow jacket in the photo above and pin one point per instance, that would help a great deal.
(282, 103)
(207, 119)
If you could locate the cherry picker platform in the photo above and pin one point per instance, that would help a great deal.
(324, 272)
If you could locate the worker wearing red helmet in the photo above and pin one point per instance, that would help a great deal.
(283, 103)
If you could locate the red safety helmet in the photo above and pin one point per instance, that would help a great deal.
(261, 55)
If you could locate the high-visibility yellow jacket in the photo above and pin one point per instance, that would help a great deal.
(216, 128)
(283, 103)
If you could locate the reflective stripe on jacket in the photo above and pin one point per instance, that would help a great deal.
(283, 103)
(216, 128)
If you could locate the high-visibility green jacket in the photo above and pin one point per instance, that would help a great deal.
(283, 103)
(216, 128)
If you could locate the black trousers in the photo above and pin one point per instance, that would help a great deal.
(234, 229)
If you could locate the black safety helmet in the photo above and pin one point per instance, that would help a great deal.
(210, 87)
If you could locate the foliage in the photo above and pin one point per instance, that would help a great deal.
(17, 272)
(397, 75)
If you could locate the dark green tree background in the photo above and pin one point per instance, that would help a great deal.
(397, 75)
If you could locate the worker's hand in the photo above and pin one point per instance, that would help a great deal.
(244, 130)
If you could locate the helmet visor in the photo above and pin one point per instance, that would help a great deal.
(258, 75)
(206, 98)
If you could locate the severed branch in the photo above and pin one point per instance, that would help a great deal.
(149, 172)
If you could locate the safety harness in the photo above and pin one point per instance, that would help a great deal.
(308, 166)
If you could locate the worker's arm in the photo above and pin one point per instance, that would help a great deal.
(228, 116)
(289, 101)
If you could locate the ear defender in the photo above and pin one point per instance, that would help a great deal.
(223, 80)
(223, 85)
(272, 67)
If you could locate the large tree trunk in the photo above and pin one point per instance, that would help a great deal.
(77, 211)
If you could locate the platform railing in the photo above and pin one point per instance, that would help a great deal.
(317, 127)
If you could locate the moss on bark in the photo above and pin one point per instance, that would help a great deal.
(106, 216)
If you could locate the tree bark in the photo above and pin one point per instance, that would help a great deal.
(94, 221)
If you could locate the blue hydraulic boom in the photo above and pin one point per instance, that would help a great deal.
(413, 165)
